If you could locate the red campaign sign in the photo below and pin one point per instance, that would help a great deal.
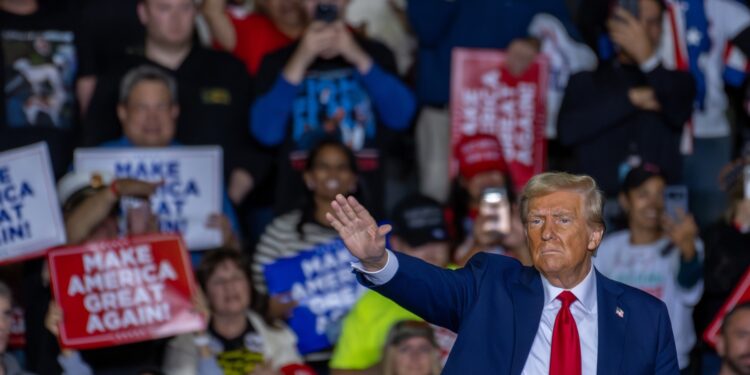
(487, 99)
(740, 294)
(123, 291)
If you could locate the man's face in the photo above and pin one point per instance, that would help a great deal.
(734, 345)
(645, 204)
(149, 116)
(414, 356)
(168, 22)
(560, 238)
(4, 323)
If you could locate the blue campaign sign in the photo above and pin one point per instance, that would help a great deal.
(321, 281)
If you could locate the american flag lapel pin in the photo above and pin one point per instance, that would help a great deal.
(619, 312)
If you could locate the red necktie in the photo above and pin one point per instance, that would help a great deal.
(566, 346)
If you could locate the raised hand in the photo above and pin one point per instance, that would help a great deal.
(359, 231)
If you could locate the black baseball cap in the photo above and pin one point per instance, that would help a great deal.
(638, 175)
(419, 220)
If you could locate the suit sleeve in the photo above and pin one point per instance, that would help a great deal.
(666, 358)
(439, 296)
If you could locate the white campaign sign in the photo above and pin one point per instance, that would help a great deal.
(192, 186)
(30, 219)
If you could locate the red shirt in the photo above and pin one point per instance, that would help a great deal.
(256, 37)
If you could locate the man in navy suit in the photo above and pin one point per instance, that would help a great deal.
(560, 317)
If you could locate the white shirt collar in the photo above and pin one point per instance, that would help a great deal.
(585, 291)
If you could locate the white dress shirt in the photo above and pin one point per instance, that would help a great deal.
(585, 314)
(584, 311)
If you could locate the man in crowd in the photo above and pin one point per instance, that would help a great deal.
(558, 317)
(38, 63)
(734, 343)
(331, 83)
(213, 92)
(148, 111)
(657, 253)
(631, 108)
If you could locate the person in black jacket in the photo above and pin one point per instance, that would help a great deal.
(630, 108)
(214, 93)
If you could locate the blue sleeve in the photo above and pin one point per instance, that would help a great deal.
(74, 365)
(437, 295)
(393, 101)
(228, 210)
(270, 113)
(431, 19)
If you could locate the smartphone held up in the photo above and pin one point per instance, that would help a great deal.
(495, 208)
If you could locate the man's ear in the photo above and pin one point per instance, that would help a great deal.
(595, 237)
(720, 347)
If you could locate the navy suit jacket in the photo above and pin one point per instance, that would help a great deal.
(495, 305)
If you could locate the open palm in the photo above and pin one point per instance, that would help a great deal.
(359, 231)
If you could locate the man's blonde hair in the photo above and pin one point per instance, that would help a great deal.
(550, 182)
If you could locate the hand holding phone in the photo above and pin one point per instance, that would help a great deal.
(495, 210)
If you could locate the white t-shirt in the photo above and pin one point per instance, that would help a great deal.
(644, 267)
(726, 19)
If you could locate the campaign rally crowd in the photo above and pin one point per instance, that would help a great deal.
(167, 168)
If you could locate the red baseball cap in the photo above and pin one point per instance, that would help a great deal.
(479, 153)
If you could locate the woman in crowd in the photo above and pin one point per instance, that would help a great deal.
(411, 349)
(330, 170)
(273, 24)
(238, 339)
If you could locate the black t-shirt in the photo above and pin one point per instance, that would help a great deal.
(38, 74)
(214, 97)
(332, 103)
(239, 355)
(108, 28)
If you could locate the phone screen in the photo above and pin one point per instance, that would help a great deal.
(675, 199)
(495, 207)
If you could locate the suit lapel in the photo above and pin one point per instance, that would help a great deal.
(528, 302)
(613, 319)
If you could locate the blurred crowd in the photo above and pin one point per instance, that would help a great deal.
(313, 98)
